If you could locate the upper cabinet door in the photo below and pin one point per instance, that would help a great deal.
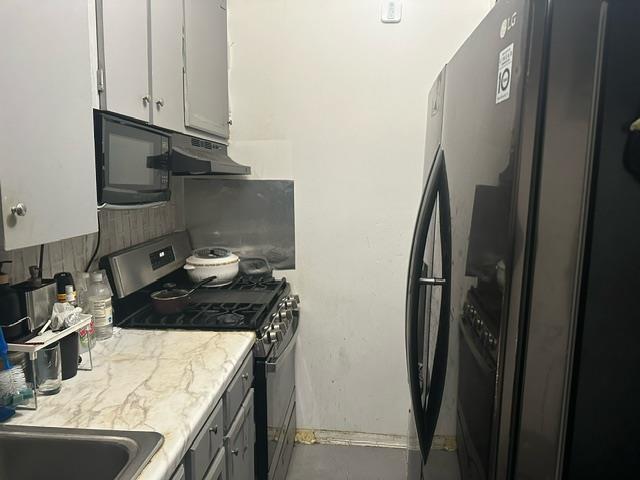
(206, 98)
(167, 20)
(47, 167)
(124, 57)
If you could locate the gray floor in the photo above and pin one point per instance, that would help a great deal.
(334, 462)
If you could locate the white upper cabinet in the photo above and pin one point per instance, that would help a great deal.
(167, 21)
(206, 98)
(47, 166)
(124, 57)
(165, 62)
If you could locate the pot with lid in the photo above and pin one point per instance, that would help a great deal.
(212, 261)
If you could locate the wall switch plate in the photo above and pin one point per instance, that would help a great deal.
(391, 11)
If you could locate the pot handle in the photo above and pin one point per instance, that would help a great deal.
(189, 267)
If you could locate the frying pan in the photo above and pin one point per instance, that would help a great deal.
(173, 300)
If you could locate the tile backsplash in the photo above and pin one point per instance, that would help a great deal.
(119, 229)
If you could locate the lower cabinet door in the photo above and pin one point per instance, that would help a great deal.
(240, 443)
(218, 469)
(234, 446)
(249, 436)
(179, 473)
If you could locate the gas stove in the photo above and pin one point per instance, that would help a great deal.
(262, 304)
(243, 305)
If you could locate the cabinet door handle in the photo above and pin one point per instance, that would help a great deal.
(160, 103)
(20, 209)
(236, 452)
(245, 376)
(214, 429)
(146, 100)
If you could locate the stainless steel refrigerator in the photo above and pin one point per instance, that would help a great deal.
(522, 326)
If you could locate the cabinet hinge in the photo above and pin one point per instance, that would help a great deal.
(100, 80)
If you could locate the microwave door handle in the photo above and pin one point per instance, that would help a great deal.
(136, 206)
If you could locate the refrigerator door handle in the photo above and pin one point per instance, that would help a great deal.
(432, 282)
(414, 284)
(441, 353)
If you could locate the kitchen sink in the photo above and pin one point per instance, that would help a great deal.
(30, 453)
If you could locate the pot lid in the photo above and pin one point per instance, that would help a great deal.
(212, 256)
(170, 294)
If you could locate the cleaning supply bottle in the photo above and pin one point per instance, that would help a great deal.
(99, 295)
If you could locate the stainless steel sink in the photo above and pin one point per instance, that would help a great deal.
(30, 453)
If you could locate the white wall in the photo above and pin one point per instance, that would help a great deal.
(325, 94)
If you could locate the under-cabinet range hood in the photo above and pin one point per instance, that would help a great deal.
(196, 156)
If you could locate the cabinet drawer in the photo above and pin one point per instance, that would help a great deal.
(218, 469)
(237, 390)
(205, 446)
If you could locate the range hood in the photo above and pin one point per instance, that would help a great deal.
(196, 156)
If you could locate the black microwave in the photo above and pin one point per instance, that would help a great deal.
(132, 161)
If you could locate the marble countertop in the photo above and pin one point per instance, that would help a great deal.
(161, 380)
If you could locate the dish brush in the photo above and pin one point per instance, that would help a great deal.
(13, 383)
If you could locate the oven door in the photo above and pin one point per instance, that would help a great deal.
(279, 388)
(132, 162)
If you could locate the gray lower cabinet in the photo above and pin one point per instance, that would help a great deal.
(221, 452)
(179, 474)
(240, 443)
(237, 391)
(218, 470)
(206, 445)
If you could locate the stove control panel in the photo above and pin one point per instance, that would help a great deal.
(162, 257)
(280, 321)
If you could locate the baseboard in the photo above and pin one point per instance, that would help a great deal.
(336, 437)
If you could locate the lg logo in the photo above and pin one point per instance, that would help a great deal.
(507, 24)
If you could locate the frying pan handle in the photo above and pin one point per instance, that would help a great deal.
(201, 283)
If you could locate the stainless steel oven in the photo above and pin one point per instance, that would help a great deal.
(132, 161)
(275, 381)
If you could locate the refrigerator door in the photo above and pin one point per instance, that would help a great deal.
(423, 316)
(586, 244)
(480, 141)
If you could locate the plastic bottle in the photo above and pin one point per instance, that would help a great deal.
(99, 296)
(82, 289)
(87, 335)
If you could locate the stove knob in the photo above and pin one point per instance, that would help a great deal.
(280, 327)
(291, 305)
(274, 336)
(285, 315)
(294, 298)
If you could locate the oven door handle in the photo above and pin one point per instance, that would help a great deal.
(272, 365)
